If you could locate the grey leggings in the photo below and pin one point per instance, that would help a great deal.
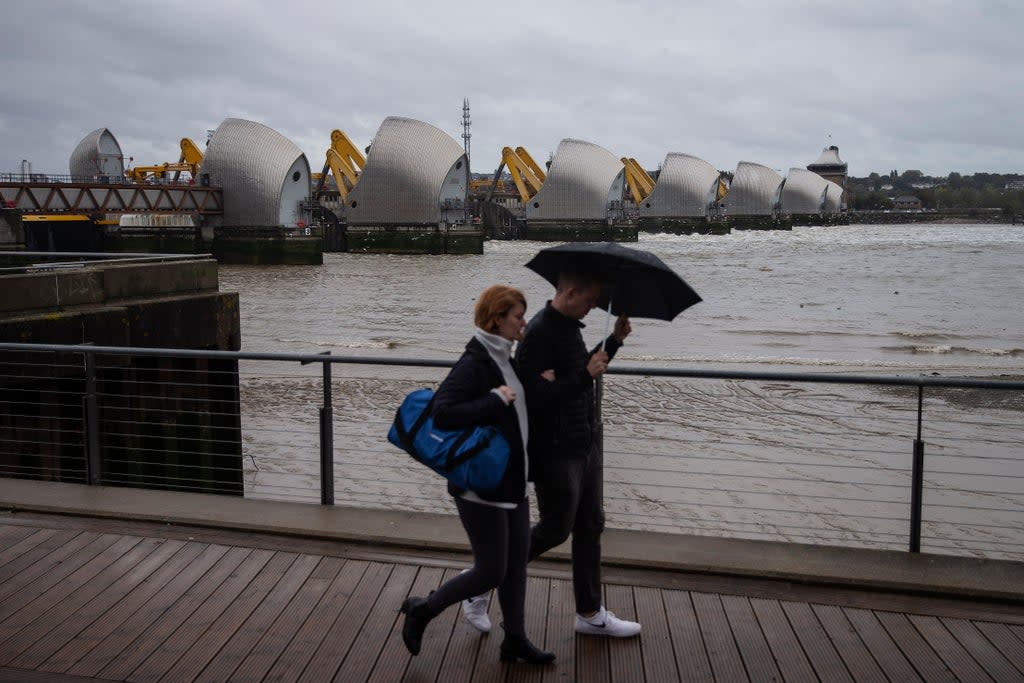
(501, 540)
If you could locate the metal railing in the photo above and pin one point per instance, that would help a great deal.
(39, 261)
(98, 179)
(832, 459)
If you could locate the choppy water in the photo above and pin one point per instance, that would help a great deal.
(801, 462)
(891, 298)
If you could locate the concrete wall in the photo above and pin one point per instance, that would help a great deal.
(161, 422)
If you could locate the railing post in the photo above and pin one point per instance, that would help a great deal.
(917, 480)
(90, 408)
(327, 440)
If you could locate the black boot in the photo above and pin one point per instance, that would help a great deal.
(519, 647)
(417, 616)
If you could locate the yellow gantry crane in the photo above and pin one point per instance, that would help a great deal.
(526, 173)
(723, 189)
(345, 162)
(190, 160)
(638, 180)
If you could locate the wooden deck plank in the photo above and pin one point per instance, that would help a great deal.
(592, 663)
(249, 632)
(726, 662)
(535, 624)
(916, 648)
(783, 642)
(58, 553)
(11, 535)
(277, 637)
(235, 562)
(67, 585)
(559, 633)
(86, 641)
(70, 617)
(335, 647)
(1004, 641)
(820, 651)
(378, 627)
(948, 649)
(881, 646)
(691, 658)
(207, 643)
(17, 541)
(854, 653)
(395, 661)
(121, 639)
(488, 666)
(625, 655)
(158, 606)
(983, 651)
(12, 675)
(292, 662)
(464, 643)
(657, 653)
(750, 639)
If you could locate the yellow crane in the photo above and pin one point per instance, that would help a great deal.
(344, 161)
(526, 174)
(534, 166)
(190, 160)
(723, 189)
(639, 181)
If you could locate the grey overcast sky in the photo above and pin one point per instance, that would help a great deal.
(921, 84)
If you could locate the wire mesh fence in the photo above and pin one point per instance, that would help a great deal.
(748, 456)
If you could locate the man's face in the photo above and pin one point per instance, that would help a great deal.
(581, 301)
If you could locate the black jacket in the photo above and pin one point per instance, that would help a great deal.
(562, 415)
(465, 399)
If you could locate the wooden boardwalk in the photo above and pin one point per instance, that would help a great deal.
(84, 600)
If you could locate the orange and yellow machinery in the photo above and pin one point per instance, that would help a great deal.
(638, 180)
(526, 174)
(189, 161)
(344, 162)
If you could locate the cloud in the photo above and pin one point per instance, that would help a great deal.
(929, 85)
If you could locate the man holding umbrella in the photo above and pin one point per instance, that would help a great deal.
(565, 456)
(566, 460)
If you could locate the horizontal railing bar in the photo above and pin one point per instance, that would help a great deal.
(94, 259)
(820, 378)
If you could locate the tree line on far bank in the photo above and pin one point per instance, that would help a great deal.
(1003, 191)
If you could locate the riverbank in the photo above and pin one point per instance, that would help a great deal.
(951, 216)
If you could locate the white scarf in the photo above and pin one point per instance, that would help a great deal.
(500, 351)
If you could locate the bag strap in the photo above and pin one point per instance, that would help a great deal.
(453, 462)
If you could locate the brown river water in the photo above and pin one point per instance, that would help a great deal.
(773, 460)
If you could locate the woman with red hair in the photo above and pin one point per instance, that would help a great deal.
(484, 388)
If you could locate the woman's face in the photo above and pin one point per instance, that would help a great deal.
(512, 324)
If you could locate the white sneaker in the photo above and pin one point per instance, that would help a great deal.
(604, 623)
(475, 610)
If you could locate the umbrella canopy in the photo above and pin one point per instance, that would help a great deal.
(636, 283)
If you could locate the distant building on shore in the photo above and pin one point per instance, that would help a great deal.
(906, 202)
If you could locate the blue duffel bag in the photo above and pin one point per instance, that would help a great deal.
(474, 458)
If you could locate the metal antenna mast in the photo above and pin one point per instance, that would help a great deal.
(466, 135)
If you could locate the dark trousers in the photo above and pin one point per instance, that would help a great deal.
(500, 539)
(570, 499)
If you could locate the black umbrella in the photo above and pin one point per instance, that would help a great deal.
(636, 283)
